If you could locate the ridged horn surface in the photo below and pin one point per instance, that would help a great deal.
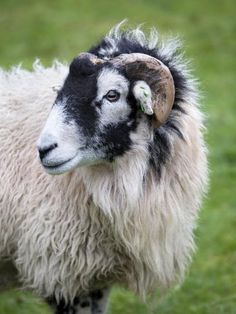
(140, 66)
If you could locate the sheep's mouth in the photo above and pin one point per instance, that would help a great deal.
(56, 165)
(80, 159)
(58, 168)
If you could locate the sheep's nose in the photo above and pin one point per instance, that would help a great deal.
(44, 150)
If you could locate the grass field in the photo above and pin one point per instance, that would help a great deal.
(60, 29)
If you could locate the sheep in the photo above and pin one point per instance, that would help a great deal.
(111, 193)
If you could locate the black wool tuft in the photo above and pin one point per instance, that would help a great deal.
(82, 67)
(81, 92)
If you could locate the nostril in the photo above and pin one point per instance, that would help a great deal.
(43, 151)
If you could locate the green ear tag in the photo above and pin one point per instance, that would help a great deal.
(142, 108)
(145, 95)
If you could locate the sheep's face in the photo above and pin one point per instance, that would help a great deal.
(91, 121)
(96, 110)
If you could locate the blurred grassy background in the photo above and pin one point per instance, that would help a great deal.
(60, 29)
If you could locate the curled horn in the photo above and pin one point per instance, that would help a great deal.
(140, 66)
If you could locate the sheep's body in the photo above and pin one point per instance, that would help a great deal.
(96, 225)
(57, 216)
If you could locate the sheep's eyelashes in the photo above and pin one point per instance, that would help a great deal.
(112, 95)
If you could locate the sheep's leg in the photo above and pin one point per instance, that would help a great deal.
(82, 305)
(99, 300)
(94, 303)
(59, 307)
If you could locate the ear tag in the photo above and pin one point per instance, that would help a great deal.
(142, 108)
(143, 103)
(143, 94)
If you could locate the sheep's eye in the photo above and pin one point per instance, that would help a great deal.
(112, 95)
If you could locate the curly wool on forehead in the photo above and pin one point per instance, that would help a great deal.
(109, 79)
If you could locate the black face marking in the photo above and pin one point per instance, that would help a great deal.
(79, 91)
(116, 138)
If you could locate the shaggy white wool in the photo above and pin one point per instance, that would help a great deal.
(98, 224)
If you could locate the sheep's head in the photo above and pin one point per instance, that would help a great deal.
(99, 106)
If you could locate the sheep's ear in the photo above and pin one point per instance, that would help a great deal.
(143, 95)
(139, 66)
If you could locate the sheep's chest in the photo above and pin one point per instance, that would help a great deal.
(73, 249)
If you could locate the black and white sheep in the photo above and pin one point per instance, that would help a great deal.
(126, 131)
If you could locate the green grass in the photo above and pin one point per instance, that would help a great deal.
(61, 29)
